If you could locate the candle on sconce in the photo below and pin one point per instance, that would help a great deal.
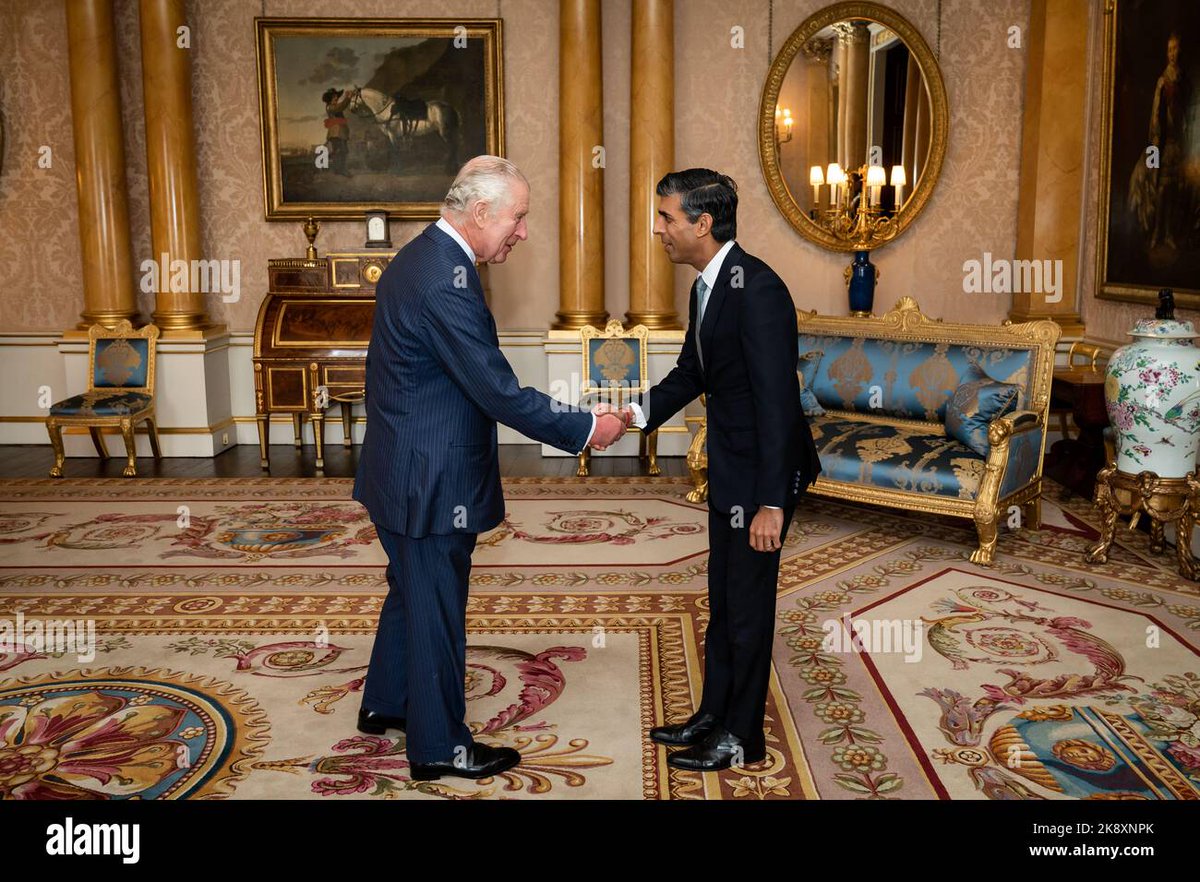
(876, 178)
(834, 177)
(816, 179)
(899, 181)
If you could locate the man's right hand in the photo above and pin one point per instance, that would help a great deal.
(609, 429)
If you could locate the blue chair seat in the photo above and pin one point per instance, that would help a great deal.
(897, 457)
(102, 402)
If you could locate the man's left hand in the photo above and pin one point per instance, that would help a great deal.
(765, 529)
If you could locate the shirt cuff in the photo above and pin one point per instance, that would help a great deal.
(591, 432)
(775, 507)
(639, 419)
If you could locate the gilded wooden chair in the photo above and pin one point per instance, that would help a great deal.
(120, 393)
(614, 372)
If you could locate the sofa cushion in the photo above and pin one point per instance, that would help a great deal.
(976, 402)
(807, 371)
(895, 457)
(908, 379)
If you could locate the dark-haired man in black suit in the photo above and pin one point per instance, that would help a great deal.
(741, 352)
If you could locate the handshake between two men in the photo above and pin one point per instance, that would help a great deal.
(611, 424)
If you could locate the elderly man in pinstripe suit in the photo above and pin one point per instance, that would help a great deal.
(437, 384)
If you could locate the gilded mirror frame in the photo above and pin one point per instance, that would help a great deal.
(939, 113)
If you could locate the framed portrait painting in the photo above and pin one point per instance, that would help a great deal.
(362, 114)
(1149, 217)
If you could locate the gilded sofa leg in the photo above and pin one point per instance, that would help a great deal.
(652, 453)
(98, 442)
(987, 511)
(987, 529)
(1033, 513)
(56, 441)
(585, 459)
(130, 449)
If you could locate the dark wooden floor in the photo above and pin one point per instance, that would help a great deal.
(516, 460)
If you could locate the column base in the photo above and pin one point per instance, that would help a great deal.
(573, 320)
(665, 321)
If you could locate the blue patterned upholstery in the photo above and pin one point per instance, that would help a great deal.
(808, 370)
(896, 457)
(121, 362)
(102, 403)
(915, 380)
(974, 405)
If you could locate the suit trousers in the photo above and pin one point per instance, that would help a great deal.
(418, 663)
(742, 585)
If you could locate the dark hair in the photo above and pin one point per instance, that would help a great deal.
(330, 94)
(704, 191)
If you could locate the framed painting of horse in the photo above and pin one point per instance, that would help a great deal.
(365, 113)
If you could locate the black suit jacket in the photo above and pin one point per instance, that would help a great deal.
(437, 383)
(760, 449)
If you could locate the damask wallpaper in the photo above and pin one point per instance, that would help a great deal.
(717, 92)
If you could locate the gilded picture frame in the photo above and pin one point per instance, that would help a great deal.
(360, 114)
(1148, 218)
(768, 148)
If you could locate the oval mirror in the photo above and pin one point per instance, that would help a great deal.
(852, 126)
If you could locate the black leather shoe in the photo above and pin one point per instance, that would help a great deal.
(694, 731)
(373, 723)
(720, 750)
(479, 761)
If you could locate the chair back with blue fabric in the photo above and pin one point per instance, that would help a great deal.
(122, 358)
(614, 361)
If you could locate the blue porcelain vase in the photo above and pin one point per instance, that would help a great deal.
(862, 283)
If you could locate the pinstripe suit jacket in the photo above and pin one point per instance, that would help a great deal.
(437, 384)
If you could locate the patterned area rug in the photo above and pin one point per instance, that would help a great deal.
(233, 621)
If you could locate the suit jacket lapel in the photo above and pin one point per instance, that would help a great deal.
(716, 299)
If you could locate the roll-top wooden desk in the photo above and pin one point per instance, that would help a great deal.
(310, 341)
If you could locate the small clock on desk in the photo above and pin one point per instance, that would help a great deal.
(377, 230)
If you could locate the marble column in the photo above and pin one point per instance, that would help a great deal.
(109, 294)
(651, 155)
(171, 162)
(581, 177)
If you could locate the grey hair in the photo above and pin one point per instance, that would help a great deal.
(483, 179)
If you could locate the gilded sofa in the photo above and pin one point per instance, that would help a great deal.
(885, 383)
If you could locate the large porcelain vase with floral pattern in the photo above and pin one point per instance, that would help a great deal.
(1153, 395)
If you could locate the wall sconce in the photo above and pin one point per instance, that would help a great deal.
(783, 126)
